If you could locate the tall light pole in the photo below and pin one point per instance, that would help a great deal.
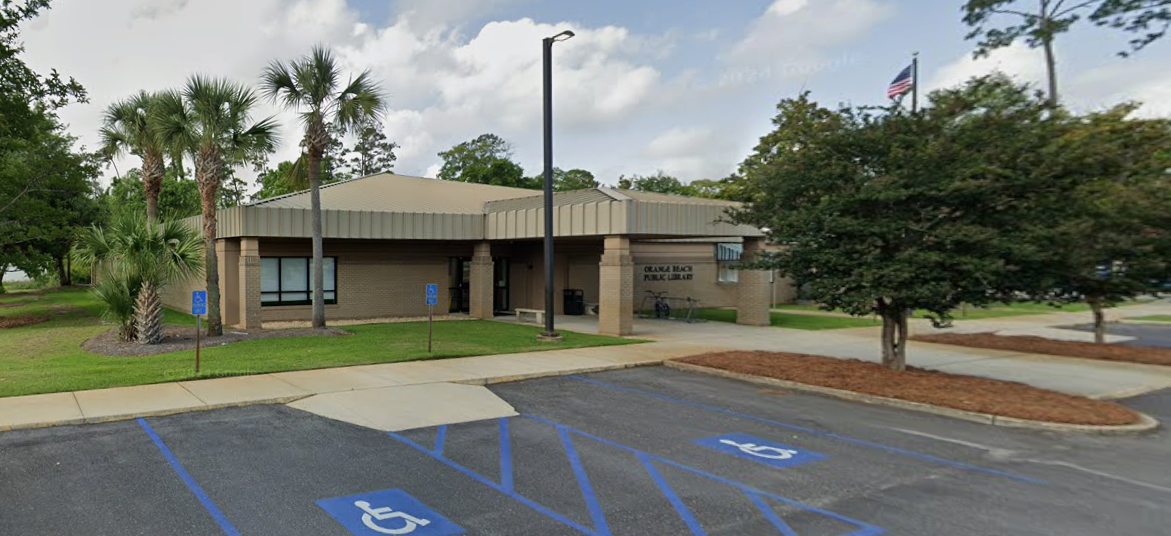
(549, 335)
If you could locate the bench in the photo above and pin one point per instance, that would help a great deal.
(537, 314)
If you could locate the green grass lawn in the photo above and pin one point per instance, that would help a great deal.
(47, 357)
(791, 320)
(1153, 318)
(796, 307)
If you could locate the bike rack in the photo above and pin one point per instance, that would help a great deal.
(687, 305)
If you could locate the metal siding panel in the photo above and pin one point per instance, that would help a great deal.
(589, 223)
(577, 216)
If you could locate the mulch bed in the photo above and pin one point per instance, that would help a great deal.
(1041, 345)
(20, 321)
(177, 338)
(968, 393)
(11, 304)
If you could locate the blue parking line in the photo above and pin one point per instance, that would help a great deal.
(672, 497)
(770, 515)
(508, 492)
(865, 529)
(583, 482)
(440, 439)
(206, 501)
(811, 431)
(505, 455)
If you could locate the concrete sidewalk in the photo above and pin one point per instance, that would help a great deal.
(119, 403)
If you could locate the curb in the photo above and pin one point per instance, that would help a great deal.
(144, 414)
(1146, 422)
(290, 399)
(535, 375)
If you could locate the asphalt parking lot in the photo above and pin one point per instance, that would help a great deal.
(638, 452)
(1149, 335)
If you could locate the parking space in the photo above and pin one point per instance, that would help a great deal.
(638, 452)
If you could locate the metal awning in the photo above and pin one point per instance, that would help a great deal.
(729, 252)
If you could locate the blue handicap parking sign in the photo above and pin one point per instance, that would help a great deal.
(390, 511)
(199, 302)
(760, 450)
(432, 294)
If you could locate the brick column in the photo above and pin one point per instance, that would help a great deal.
(248, 300)
(753, 292)
(616, 288)
(483, 282)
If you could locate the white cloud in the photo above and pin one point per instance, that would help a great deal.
(796, 37)
(688, 153)
(1018, 61)
(1142, 80)
(117, 47)
(444, 90)
(678, 142)
(442, 87)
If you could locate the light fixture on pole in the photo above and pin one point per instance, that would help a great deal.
(549, 335)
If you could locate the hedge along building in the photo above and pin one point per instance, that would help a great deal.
(386, 236)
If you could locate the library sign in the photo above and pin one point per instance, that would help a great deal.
(668, 272)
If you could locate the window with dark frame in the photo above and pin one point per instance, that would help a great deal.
(289, 280)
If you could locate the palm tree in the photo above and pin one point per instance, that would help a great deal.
(311, 86)
(212, 119)
(137, 259)
(130, 126)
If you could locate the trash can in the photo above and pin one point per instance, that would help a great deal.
(574, 301)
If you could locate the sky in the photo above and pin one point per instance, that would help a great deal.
(682, 86)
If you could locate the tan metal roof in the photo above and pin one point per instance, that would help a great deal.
(389, 192)
(390, 206)
(560, 199)
(682, 199)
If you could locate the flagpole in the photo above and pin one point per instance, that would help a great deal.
(915, 84)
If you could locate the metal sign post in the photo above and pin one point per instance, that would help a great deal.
(198, 308)
(432, 300)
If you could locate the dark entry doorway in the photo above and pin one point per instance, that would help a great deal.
(460, 276)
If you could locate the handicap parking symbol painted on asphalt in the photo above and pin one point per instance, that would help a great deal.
(760, 450)
(387, 512)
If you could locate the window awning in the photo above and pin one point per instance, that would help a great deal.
(729, 252)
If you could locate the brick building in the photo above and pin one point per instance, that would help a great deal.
(386, 236)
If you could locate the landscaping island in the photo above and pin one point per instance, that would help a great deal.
(965, 393)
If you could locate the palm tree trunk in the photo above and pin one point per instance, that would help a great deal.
(314, 160)
(208, 178)
(152, 183)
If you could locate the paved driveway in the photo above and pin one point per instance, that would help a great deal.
(1084, 377)
(640, 452)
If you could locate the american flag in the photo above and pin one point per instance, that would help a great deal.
(902, 84)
